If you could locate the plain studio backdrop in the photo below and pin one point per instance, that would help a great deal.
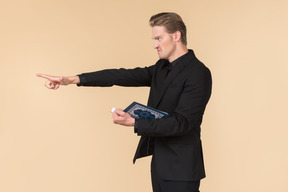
(64, 140)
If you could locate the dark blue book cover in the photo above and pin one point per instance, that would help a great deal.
(139, 111)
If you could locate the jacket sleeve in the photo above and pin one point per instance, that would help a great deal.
(122, 77)
(188, 113)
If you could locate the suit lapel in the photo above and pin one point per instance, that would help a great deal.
(177, 69)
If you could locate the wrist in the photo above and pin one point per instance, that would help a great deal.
(133, 122)
(74, 80)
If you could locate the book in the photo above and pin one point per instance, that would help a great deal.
(139, 111)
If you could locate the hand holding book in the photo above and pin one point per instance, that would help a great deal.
(122, 118)
(139, 111)
(134, 111)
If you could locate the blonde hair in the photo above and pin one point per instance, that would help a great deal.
(172, 22)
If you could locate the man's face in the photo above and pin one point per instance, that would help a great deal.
(163, 42)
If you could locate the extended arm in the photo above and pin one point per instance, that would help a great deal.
(104, 78)
(122, 77)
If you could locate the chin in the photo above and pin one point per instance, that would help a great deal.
(162, 57)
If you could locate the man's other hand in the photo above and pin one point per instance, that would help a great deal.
(122, 118)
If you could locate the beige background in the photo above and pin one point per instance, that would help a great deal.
(64, 140)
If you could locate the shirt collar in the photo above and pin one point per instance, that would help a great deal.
(173, 63)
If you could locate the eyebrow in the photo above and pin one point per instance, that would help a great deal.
(156, 37)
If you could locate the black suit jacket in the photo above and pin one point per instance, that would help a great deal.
(175, 141)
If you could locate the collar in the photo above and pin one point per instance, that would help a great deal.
(173, 63)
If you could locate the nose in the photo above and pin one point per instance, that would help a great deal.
(155, 46)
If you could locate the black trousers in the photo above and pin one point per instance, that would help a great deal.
(160, 185)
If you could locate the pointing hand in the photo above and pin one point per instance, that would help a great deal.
(54, 82)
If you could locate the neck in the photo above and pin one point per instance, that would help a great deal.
(179, 51)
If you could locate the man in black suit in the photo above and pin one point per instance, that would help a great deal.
(180, 85)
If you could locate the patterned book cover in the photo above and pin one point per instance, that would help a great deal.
(139, 111)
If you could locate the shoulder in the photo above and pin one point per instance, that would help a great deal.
(193, 64)
(195, 69)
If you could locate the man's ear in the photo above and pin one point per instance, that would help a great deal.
(177, 36)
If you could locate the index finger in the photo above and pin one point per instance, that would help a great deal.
(49, 77)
